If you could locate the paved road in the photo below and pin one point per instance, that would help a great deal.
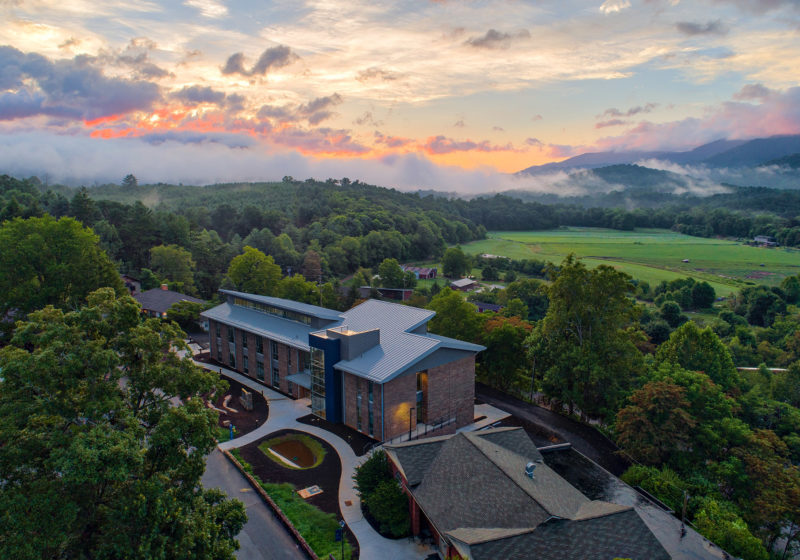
(584, 438)
(263, 537)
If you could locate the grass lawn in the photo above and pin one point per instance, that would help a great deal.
(650, 255)
(317, 527)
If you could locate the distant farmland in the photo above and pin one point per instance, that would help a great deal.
(649, 254)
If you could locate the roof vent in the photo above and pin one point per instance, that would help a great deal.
(529, 468)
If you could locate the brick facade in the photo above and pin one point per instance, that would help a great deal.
(284, 351)
(451, 391)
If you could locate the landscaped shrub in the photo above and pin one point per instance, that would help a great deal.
(374, 471)
(389, 505)
(382, 497)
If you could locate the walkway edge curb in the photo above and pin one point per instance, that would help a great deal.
(271, 503)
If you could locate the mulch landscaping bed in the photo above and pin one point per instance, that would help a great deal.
(326, 475)
(244, 420)
(357, 441)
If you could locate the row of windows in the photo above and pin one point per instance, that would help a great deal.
(272, 310)
(303, 357)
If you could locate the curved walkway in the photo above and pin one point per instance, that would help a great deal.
(283, 414)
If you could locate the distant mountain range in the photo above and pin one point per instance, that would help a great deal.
(718, 154)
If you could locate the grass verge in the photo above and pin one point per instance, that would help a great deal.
(317, 527)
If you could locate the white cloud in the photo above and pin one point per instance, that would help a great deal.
(614, 6)
(209, 8)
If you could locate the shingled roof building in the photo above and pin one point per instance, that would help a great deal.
(156, 302)
(374, 367)
(488, 495)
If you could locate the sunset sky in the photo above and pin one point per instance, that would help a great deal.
(434, 94)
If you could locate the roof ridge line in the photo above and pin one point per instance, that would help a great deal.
(468, 435)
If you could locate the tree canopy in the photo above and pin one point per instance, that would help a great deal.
(45, 261)
(582, 349)
(104, 440)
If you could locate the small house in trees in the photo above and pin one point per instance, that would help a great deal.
(464, 284)
(132, 284)
(765, 241)
(422, 273)
(157, 301)
(374, 368)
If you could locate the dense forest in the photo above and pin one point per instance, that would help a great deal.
(594, 343)
(348, 224)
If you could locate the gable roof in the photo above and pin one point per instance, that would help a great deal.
(472, 486)
(399, 348)
(463, 282)
(160, 300)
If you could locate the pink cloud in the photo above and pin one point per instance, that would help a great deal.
(777, 113)
(443, 145)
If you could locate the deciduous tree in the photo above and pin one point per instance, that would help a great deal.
(254, 272)
(656, 424)
(45, 261)
(98, 460)
(582, 348)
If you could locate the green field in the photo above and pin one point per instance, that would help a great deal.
(650, 255)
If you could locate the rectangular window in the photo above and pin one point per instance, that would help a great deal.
(230, 334)
(304, 361)
(219, 353)
(276, 378)
(370, 425)
(422, 400)
(289, 359)
(244, 364)
(244, 339)
(318, 382)
(218, 330)
(259, 345)
(358, 404)
(232, 360)
(260, 370)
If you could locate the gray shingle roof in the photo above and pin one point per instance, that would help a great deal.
(617, 535)
(304, 308)
(472, 486)
(159, 300)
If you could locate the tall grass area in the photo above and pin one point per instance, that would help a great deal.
(650, 255)
(317, 527)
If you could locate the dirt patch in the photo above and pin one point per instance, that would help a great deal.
(357, 441)
(296, 452)
(326, 475)
(758, 275)
(244, 420)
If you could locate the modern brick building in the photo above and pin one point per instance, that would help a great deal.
(374, 368)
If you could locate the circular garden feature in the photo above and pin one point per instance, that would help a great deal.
(294, 450)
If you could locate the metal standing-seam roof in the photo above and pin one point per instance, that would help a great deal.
(283, 330)
(398, 349)
(304, 308)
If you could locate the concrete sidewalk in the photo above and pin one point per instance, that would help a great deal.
(283, 414)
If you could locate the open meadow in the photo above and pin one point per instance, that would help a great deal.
(650, 255)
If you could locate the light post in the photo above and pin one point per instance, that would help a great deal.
(341, 525)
